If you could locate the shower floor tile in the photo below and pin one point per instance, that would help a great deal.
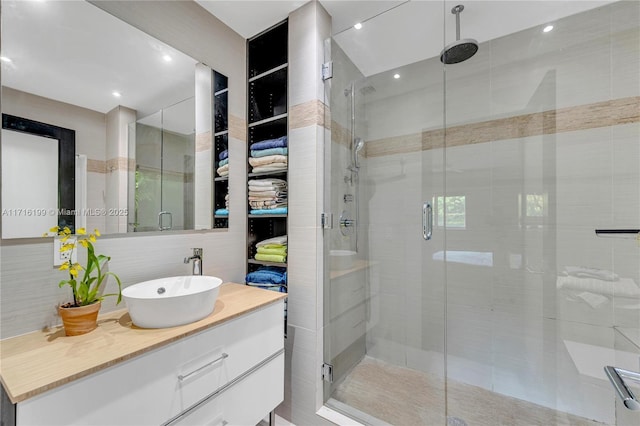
(405, 397)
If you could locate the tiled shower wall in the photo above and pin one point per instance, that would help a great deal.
(553, 118)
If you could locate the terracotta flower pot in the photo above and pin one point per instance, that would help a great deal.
(79, 320)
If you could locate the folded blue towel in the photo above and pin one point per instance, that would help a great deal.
(222, 212)
(257, 153)
(270, 143)
(267, 275)
(278, 288)
(224, 154)
(279, 210)
(223, 162)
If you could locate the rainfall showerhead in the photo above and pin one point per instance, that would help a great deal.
(460, 50)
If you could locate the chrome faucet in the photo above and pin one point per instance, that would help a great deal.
(197, 261)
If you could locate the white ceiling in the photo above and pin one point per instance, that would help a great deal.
(400, 32)
(416, 30)
(76, 53)
(73, 52)
(250, 17)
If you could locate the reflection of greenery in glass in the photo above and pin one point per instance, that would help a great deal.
(143, 192)
(453, 208)
(535, 205)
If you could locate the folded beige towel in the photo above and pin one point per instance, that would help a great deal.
(224, 170)
(269, 159)
(270, 168)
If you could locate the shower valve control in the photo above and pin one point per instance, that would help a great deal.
(348, 198)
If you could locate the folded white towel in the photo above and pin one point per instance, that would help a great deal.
(267, 188)
(592, 299)
(267, 182)
(584, 272)
(282, 239)
(267, 194)
(625, 287)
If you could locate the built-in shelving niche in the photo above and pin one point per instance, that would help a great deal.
(267, 118)
(220, 144)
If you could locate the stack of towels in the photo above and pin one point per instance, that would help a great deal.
(225, 211)
(272, 250)
(268, 277)
(268, 196)
(223, 165)
(269, 156)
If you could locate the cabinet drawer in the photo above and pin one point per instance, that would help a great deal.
(147, 390)
(245, 402)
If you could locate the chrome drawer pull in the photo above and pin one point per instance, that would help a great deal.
(186, 376)
(221, 389)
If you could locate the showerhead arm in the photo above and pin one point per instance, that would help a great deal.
(456, 11)
(460, 50)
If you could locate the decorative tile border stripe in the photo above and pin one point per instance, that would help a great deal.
(582, 117)
(340, 134)
(96, 166)
(119, 163)
(237, 128)
(111, 165)
(203, 142)
(307, 114)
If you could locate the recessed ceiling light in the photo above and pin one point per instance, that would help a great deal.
(5, 59)
(116, 94)
(167, 58)
(547, 28)
(357, 26)
(396, 76)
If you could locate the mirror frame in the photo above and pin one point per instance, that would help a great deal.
(66, 161)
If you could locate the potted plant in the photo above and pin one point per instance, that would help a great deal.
(80, 316)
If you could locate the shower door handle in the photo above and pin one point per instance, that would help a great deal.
(161, 227)
(427, 221)
(616, 377)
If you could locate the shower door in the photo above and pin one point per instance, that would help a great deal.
(163, 188)
(524, 159)
(384, 254)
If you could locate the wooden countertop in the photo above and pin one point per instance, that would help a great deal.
(37, 362)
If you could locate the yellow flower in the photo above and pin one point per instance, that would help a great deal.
(46, 234)
(75, 268)
(92, 238)
(65, 231)
(54, 229)
(81, 231)
(64, 266)
(67, 247)
(95, 231)
(65, 238)
(84, 243)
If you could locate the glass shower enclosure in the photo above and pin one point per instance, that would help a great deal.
(162, 182)
(483, 266)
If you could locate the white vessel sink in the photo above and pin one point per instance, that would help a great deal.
(340, 260)
(167, 302)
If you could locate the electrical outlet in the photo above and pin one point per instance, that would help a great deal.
(59, 257)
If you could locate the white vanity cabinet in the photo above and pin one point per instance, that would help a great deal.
(232, 374)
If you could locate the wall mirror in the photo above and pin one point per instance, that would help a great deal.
(129, 98)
